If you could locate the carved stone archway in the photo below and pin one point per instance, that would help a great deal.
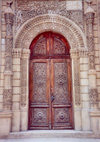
(77, 41)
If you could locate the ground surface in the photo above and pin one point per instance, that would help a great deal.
(50, 140)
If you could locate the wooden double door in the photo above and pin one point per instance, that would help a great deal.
(50, 102)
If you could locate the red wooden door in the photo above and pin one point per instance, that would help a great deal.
(50, 101)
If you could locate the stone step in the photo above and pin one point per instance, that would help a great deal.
(53, 134)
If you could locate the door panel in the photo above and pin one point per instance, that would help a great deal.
(50, 102)
(61, 106)
(39, 106)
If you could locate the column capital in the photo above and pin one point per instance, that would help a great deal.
(83, 53)
(92, 72)
(25, 53)
(74, 53)
(16, 52)
(9, 13)
(89, 8)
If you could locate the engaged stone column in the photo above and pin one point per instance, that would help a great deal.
(24, 88)
(83, 54)
(16, 89)
(90, 40)
(9, 15)
(76, 88)
(93, 94)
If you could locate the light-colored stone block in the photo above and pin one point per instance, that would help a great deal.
(1, 83)
(95, 121)
(84, 67)
(16, 121)
(85, 104)
(16, 68)
(84, 89)
(98, 75)
(77, 119)
(24, 122)
(3, 41)
(98, 82)
(15, 106)
(16, 75)
(84, 97)
(83, 60)
(97, 67)
(5, 123)
(1, 98)
(83, 82)
(74, 5)
(16, 98)
(16, 83)
(16, 90)
(16, 61)
(84, 74)
(1, 90)
(85, 120)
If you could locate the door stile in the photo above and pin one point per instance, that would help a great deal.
(52, 90)
(48, 92)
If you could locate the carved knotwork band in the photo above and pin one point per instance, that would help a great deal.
(7, 94)
(93, 94)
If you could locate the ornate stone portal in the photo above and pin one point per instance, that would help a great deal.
(16, 82)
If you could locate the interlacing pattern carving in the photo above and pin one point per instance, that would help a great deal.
(89, 25)
(40, 47)
(39, 82)
(90, 40)
(77, 82)
(59, 47)
(23, 81)
(27, 9)
(24, 66)
(93, 95)
(7, 95)
(60, 84)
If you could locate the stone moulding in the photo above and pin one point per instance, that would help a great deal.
(50, 22)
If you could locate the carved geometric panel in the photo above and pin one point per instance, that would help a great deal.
(39, 82)
(59, 47)
(61, 115)
(40, 47)
(60, 83)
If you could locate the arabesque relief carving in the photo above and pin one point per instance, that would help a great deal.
(29, 9)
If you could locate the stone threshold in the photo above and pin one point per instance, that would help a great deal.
(52, 134)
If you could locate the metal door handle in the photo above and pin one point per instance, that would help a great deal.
(52, 98)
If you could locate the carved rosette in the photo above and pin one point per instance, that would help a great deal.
(24, 76)
(75, 57)
(9, 15)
